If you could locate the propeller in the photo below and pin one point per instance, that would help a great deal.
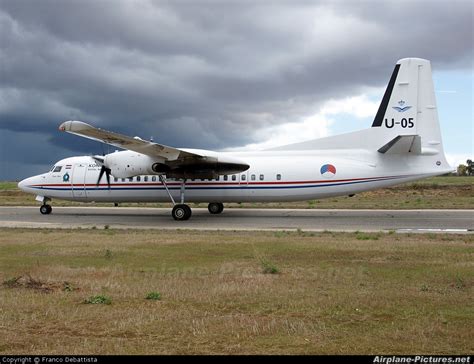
(103, 169)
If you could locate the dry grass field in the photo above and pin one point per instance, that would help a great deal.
(430, 193)
(235, 292)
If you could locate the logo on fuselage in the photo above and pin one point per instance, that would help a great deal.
(401, 107)
(328, 170)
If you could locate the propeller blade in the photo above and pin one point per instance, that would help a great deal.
(101, 173)
(107, 175)
(103, 169)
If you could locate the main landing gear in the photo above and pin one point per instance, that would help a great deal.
(46, 209)
(180, 211)
(215, 207)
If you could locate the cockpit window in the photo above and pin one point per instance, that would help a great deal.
(57, 169)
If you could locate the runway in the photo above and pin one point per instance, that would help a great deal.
(454, 221)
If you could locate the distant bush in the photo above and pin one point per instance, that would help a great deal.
(108, 254)
(98, 300)
(459, 283)
(363, 236)
(156, 296)
(68, 287)
(268, 267)
(11, 282)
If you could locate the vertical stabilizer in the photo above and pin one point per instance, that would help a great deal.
(408, 106)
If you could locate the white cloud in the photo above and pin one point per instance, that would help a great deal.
(455, 159)
(314, 126)
(358, 106)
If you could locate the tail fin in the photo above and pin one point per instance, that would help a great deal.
(408, 108)
(406, 123)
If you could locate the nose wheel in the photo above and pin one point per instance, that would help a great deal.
(46, 209)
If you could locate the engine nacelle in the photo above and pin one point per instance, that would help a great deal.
(208, 164)
(126, 164)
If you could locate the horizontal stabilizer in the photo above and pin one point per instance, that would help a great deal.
(402, 144)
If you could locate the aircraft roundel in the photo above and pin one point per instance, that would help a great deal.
(328, 170)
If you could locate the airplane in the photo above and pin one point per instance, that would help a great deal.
(403, 144)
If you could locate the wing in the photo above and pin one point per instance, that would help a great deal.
(174, 162)
(123, 141)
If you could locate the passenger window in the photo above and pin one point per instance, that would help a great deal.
(130, 179)
(278, 177)
(145, 178)
(234, 177)
(115, 179)
(153, 178)
(242, 177)
(218, 178)
(123, 179)
(57, 169)
(252, 177)
(138, 178)
(261, 177)
(226, 178)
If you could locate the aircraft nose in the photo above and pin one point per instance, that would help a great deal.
(23, 184)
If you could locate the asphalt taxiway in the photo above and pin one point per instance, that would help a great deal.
(450, 221)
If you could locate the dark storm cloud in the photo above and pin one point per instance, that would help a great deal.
(204, 74)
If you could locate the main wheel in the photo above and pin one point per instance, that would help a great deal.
(46, 209)
(215, 207)
(181, 212)
(188, 211)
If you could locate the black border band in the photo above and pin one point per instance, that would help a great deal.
(386, 98)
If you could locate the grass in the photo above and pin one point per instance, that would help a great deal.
(334, 293)
(430, 193)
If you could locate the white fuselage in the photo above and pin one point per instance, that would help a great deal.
(403, 144)
(272, 176)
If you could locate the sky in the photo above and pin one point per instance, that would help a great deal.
(219, 75)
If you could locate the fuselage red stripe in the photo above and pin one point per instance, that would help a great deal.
(210, 183)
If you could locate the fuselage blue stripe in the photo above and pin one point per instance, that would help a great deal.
(191, 187)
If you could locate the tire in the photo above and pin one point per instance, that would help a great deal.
(181, 212)
(46, 209)
(215, 208)
(189, 212)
